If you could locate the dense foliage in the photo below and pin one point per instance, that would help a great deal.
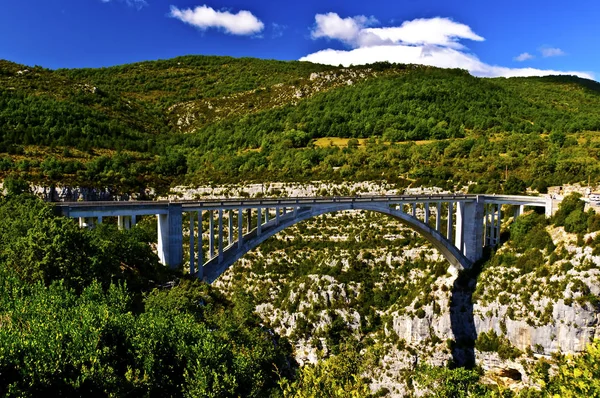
(81, 312)
(248, 119)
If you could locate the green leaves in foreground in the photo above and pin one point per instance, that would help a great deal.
(54, 342)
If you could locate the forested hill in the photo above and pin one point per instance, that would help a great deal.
(227, 115)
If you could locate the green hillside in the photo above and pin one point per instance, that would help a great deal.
(219, 119)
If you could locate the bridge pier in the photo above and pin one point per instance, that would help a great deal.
(211, 239)
(200, 272)
(170, 236)
(192, 244)
(469, 229)
(220, 235)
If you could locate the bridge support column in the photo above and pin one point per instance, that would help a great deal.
(486, 223)
(133, 220)
(426, 206)
(266, 215)
(493, 226)
(240, 228)
(498, 225)
(449, 226)
(438, 216)
(284, 210)
(277, 216)
(259, 223)
(211, 239)
(220, 235)
(549, 207)
(401, 207)
(192, 242)
(469, 229)
(170, 237)
(200, 272)
(519, 210)
(458, 233)
(230, 227)
(414, 209)
(99, 220)
(248, 220)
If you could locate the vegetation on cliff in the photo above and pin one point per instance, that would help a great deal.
(219, 119)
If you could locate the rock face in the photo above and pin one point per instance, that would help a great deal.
(571, 329)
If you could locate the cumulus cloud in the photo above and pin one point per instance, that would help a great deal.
(551, 52)
(434, 31)
(203, 17)
(433, 42)
(347, 30)
(131, 3)
(523, 57)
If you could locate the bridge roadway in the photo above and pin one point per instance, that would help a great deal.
(471, 222)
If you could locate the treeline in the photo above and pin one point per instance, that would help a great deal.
(538, 130)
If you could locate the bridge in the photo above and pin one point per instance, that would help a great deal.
(459, 226)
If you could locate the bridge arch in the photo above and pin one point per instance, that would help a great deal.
(216, 267)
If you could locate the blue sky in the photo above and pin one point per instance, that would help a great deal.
(526, 37)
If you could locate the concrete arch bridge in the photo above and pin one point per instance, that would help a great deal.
(459, 226)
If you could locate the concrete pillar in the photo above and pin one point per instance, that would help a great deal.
(472, 229)
(121, 222)
(133, 220)
(549, 207)
(220, 235)
(499, 224)
(170, 236)
(401, 207)
(248, 220)
(211, 230)
(259, 224)
(284, 210)
(277, 215)
(81, 222)
(266, 215)
(486, 224)
(230, 226)
(449, 226)
(295, 211)
(414, 209)
(192, 241)
(438, 216)
(99, 219)
(458, 235)
(493, 226)
(200, 273)
(426, 208)
(240, 228)
(127, 222)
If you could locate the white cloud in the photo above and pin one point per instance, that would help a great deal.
(434, 31)
(347, 30)
(131, 3)
(203, 17)
(551, 52)
(434, 42)
(523, 57)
